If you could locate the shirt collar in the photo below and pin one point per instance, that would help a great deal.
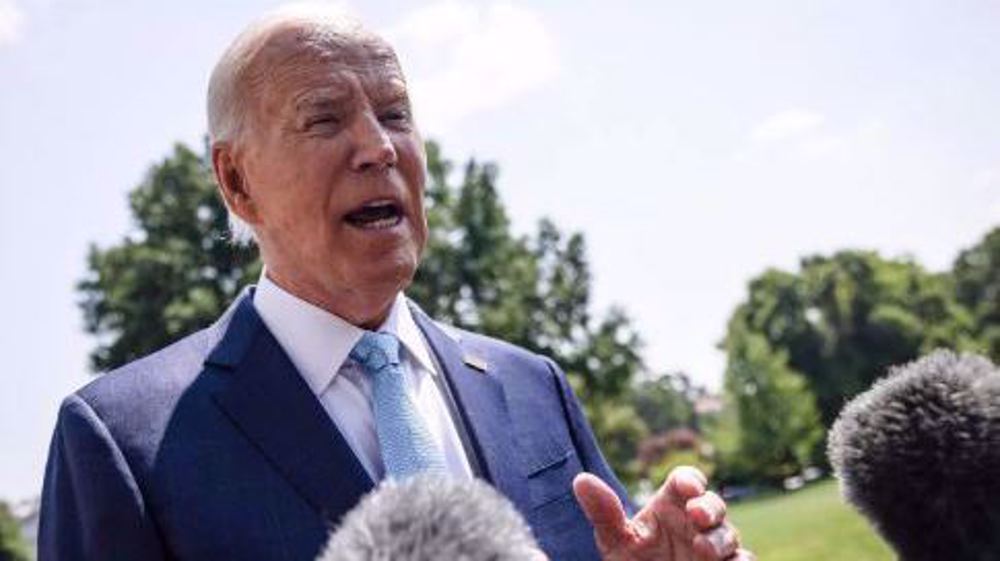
(400, 323)
(318, 342)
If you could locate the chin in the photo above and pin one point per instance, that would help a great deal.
(389, 276)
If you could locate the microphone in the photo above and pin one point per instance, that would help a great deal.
(919, 455)
(428, 517)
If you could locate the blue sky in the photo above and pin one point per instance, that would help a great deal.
(694, 143)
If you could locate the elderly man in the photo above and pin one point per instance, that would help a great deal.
(251, 438)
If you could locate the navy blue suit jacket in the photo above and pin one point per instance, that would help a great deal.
(214, 448)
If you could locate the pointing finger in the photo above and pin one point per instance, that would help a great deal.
(603, 508)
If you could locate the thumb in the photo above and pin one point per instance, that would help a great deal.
(604, 510)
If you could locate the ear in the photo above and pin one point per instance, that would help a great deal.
(232, 182)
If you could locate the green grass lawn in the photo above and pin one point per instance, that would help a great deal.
(812, 524)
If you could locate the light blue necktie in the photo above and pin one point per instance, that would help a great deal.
(406, 444)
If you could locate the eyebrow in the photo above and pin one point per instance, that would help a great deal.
(320, 101)
(392, 96)
(332, 99)
(393, 91)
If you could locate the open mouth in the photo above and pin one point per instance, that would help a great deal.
(376, 215)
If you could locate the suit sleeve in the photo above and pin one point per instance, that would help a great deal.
(586, 445)
(92, 508)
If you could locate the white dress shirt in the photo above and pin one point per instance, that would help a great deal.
(319, 344)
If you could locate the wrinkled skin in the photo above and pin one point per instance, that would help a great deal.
(682, 522)
(328, 132)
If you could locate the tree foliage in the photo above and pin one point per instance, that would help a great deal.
(666, 402)
(533, 291)
(12, 546)
(827, 332)
(779, 428)
(173, 274)
(977, 287)
(842, 320)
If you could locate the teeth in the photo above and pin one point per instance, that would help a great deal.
(376, 215)
(380, 224)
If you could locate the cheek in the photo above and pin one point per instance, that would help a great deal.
(301, 227)
(301, 202)
(412, 159)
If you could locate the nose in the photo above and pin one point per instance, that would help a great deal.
(373, 149)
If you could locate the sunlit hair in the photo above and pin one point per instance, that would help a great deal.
(919, 455)
(319, 28)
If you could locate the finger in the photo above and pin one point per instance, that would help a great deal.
(742, 555)
(717, 544)
(603, 508)
(666, 511)
(706, 511)
(683, 484)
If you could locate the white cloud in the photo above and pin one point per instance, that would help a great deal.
(11, 22)
(787, 124)
(463, 59)
(805, 135)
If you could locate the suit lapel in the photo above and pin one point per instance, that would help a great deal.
(272, 405)
(483, 406)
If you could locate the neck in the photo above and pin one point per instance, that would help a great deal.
(362, 310)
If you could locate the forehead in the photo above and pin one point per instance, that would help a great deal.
(293, 66)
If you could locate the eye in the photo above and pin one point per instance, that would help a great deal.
(322, 120)
(395, 116)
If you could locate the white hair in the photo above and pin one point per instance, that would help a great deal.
(320, 27)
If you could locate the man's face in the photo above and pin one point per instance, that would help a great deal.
(335, 168)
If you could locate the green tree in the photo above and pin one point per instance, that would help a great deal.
(475, 274)
(778, 429)
(665, 402)
(173, 274)
(977, 287)
(533, 291)
(12, 546)
(820, 336)
(530, 290)
(842, 320)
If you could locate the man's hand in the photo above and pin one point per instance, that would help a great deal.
(682, 522)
